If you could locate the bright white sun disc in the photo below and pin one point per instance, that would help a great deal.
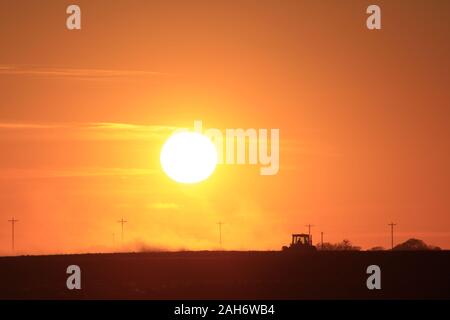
(188, 157)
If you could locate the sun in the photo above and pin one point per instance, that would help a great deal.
(188, 157)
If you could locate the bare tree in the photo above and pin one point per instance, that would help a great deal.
(344, 245)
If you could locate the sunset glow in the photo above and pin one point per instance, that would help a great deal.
(87, 121)
(188, 157)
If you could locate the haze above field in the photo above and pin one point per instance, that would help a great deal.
(363, 118)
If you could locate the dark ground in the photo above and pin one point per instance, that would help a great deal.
(228, 275)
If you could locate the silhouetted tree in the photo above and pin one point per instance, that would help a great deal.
(326, 246)
(345, 245)
(414, 244)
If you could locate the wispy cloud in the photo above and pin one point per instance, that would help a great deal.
(21, 125)
(164, 206)
(86, 131)
(126, 126)
(75, 73)
(74, 173)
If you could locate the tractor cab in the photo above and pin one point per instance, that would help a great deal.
(300, 239)
(300, 242)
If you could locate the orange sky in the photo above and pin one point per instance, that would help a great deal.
(363, 116)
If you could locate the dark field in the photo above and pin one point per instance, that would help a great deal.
(228, 275)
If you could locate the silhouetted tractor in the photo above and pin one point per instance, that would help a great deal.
(301, 242)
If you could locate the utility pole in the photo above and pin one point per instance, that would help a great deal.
(220, 233)
(309, 232)
(321, 239)
(392, 234)
(13, 222)
(122, 223)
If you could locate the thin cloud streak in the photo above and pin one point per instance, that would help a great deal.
(164, 206)
(19, 126)
(75, 173)
(85, 125)
(84, 131)
(76, 73)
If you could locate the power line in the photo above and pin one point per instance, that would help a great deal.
(13, 222)
(122, 222)
(309, 232)
(392, 233)
(220, 233)
(321, 239)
